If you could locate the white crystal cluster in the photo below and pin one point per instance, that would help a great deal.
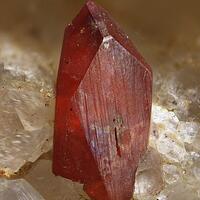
(170, 170)
(25, 108)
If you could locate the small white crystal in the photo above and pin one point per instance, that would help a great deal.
(149, 176)
(166, 119)
(148, 182)
(18, 190)
(178, 191)
(188, 131)
(170, 95)
(171, 148)
(171, 173)
(167, 141)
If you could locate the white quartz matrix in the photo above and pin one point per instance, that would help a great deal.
(170, 170)
(25, 106)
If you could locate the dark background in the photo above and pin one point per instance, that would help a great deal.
(162, 29)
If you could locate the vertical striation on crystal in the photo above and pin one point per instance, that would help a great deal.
(103, 106)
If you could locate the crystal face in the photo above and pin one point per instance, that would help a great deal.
(18, 189)
(103, 106)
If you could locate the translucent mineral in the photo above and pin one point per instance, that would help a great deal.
(41, 176)
(178, 191)
(18, 190)
(26, 106)
(169, 94)
(170, 134)
(175, 140)
(149, 175)
(171, 173)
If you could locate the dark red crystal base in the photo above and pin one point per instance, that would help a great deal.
(103, 106)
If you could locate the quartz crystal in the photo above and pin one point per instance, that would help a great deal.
(103, 106)
(174, 139)
(58, 188)
(170, 168)
(149, 177)
(18, 190)
(25, 106)
(178, 191)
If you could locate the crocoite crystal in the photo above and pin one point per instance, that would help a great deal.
(103, 106)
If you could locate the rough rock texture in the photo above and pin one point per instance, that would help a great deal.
(18, 190)
(103, 106)
(176, 141)
(26, 98)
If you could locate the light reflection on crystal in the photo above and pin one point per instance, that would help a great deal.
(149, 176)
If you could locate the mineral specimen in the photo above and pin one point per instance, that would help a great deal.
(103, 106)
(17, 190)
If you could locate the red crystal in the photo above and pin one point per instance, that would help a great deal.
(103, 106)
